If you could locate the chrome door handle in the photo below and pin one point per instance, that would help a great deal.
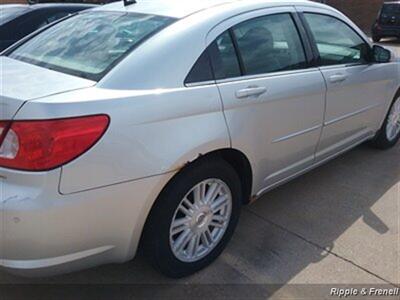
(337, 78)
(251, 92)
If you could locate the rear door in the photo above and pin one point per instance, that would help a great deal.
(357, 91)
(273, 99)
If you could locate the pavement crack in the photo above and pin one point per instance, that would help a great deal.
(320, 247)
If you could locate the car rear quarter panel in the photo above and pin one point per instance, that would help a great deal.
(44, 233)
(150, 133)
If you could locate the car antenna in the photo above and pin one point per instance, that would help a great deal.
(129, 2)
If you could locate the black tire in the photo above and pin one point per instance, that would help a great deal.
(156, 243)
(381, 140)
(376, 38)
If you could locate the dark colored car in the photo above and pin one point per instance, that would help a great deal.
(17, 21)
(73, 1)
(388, 22)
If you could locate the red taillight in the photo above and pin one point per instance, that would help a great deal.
(44, 145)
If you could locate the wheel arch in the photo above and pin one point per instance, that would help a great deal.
(397, 94)
(389, 105)
(395, 97)
(237, 159)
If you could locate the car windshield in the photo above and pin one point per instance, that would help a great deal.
(391, 9)
(89, 44)
(8, 13)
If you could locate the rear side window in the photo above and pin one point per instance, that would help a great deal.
(89, 44)
(258, 46)
(219, 61)
(201, 71)
(337, 42)
(270, 44)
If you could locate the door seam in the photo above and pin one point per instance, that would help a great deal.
(318, 145)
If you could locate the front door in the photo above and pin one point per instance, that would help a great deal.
(356, 88)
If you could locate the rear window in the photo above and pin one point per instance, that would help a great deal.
(89, 44)
(391, 9)
(8, 13)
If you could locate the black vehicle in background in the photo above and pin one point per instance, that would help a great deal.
(73, 1)
(388, 22)
(17, 21)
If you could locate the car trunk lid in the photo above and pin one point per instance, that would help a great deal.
(21, 82)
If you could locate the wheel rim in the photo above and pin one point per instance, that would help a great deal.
(201, 220)
(393, 124)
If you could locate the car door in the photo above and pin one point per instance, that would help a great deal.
(273, 98)
(357, 90)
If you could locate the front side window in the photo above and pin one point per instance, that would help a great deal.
(336, 41)
(89, 44)
(270, 44)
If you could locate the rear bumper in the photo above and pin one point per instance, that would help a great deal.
(46, 233)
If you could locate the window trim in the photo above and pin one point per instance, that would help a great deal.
(239, 56)
(267, 75)
(202, 83)
(314, 45)
(307, 45)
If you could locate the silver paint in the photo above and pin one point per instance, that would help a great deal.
(92, 210)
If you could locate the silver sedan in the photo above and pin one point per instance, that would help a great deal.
(150, 124)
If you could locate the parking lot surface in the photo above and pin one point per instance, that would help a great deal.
(338, 224)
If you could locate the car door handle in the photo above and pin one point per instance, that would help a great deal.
(337, 78)
(251, 91)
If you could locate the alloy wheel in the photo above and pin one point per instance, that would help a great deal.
(200, 221)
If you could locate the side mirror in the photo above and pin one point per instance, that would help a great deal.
(381, 55)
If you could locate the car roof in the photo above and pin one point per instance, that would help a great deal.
(181, 9)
